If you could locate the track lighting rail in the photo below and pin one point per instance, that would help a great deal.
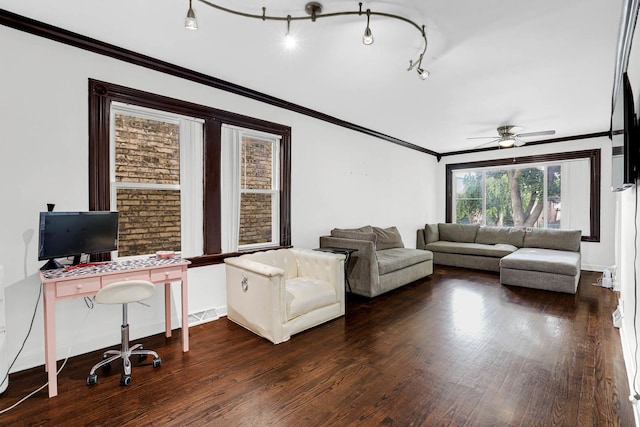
(314, 12)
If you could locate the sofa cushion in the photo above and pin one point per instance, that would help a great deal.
(354, 234)
(390, 260)
(387, 238)
(431, 233)
(495, 251)
(465, 233)
(549, 238)
(305, 294)
(544, 260)
(495, 235)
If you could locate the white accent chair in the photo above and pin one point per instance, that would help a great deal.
(124, 293)
(278, 293)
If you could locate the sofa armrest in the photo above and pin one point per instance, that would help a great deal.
(254, 267)
(421, 241)
(363, 266)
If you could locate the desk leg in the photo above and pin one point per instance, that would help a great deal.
(167, 309)
(185, 312)
(50, 337)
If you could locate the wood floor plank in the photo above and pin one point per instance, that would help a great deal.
(455, 349)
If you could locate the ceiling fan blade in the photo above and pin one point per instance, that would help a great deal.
(540, 133)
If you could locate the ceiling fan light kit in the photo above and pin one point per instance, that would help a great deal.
(313, 12)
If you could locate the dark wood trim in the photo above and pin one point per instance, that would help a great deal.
(99, 111)
(61, 35)
(285, 189)
(102, 94)
(541, 142)
(212, 239)
(200, 261)
(595, 174)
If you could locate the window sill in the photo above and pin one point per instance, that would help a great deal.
(204, 260)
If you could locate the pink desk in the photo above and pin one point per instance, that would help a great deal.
(87, 281)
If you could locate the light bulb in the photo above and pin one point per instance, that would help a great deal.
(423, 73)
(190, 22)
(289, 41)
(367, 38)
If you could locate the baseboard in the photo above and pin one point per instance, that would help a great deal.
(628, 357)
(207, 315)
(35, 358)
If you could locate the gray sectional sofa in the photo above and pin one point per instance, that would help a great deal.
(529, 257)
(381, 262)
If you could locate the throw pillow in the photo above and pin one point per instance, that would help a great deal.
(463, 233)
(549, 238)
(387, 238)
(495, 235)
(431, 233)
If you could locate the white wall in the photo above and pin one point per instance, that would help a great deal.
(340, 178)
(627, 250)
(595, 255)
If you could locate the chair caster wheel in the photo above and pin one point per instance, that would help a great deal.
(92, 379)
(157, 362)
(125, 380)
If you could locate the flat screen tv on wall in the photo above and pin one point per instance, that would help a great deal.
(624, 138)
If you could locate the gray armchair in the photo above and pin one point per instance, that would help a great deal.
(381, 262)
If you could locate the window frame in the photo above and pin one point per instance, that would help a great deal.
(275, 184)
(102, 94)
(190, 142)
(595, 172)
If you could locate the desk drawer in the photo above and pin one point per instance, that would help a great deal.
(163, 275)
(134, 275)
(78, 287)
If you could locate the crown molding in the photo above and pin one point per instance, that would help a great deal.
(41, 29)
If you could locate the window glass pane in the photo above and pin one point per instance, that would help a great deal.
(554, 175)
(149, 221)
(526, 188)
(147, 151)
(498, 204)
(255, 219)
(468, 188)
(257, 164)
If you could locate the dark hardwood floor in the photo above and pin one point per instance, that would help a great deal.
(451, 350)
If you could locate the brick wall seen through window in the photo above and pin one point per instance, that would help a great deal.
(147, 152)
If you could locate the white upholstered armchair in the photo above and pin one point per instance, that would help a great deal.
(278, 293)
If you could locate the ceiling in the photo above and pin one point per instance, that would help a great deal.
(538, 64)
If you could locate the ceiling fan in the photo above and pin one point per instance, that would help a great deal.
(509, 136)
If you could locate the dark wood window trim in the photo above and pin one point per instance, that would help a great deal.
(102, 94)
(595, 161)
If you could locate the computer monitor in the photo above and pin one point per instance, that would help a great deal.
(66, 234)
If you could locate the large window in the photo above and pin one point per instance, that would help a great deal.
(553, 191)
(161, 163)
(156, 177)
(250, 171)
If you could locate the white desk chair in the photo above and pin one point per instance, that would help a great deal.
(124, 293)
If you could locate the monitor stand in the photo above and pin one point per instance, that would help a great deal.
(52, 264)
